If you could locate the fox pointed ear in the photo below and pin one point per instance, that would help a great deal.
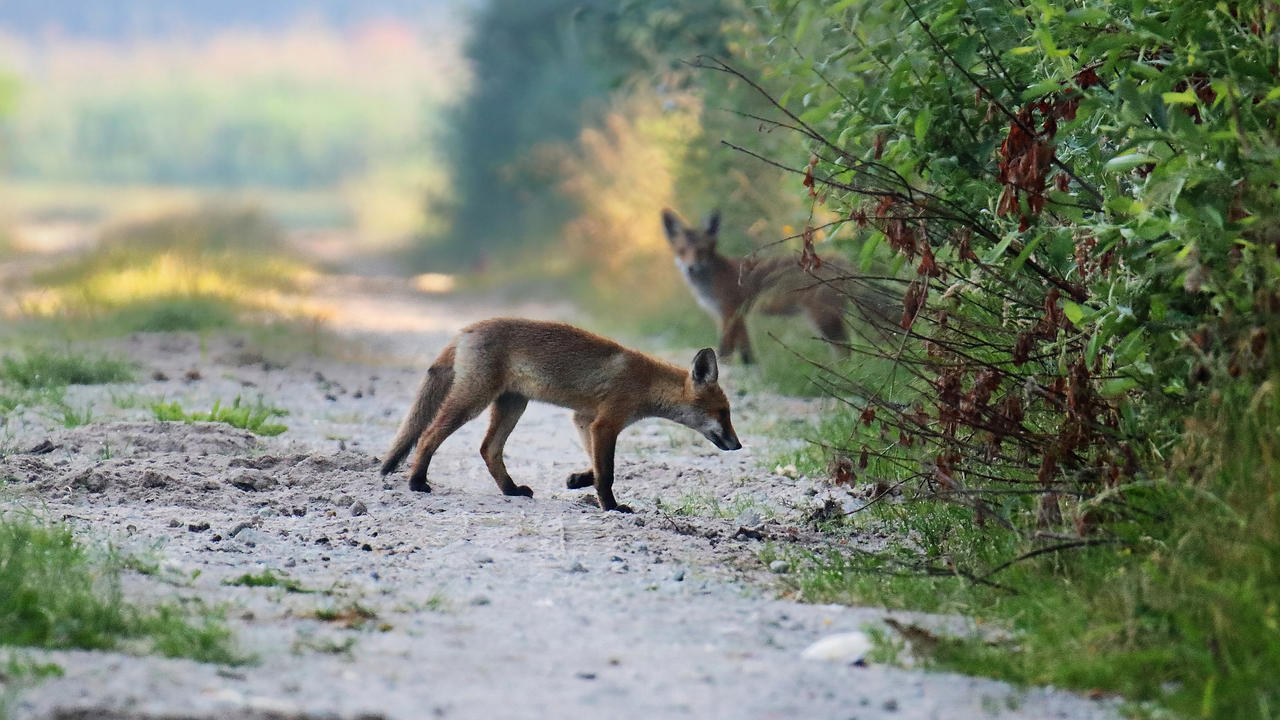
(713, 223)
(671, 223)
(705, 369)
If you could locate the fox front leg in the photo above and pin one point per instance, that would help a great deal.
(604, 438)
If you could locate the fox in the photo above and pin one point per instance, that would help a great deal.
(506, 362)
(728, 287)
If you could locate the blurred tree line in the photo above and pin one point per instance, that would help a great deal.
(584, 120)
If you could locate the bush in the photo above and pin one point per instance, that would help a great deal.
(44, 369)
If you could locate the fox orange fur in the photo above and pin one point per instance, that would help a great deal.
(728, 288)
(506, 362)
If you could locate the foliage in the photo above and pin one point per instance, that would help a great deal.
(256, 417)
(60, 594)
(42, 368)
(190, 271)
(546, 71)
(1076, 203)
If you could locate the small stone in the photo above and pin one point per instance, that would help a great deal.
(642, 547)
(358, 509)
(175, 522)
(479, 601)
(200, 526)
(252, 481)
(848, 648)
(779, 566)
(586, 676)
(483, 559)
(366, 547)
(291, 562)
(577, 567)
(679, 576)
(159, 376)
(343, 500)
(299, 511)
(890, 705)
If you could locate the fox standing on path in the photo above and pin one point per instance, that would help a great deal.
(728, 287)
(508, 362)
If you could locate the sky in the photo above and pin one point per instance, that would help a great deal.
(124, 20)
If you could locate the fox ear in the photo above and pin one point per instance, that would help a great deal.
(713, 223)
(705, 370)
(671, 223)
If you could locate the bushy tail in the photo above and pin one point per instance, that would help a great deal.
(431, 393)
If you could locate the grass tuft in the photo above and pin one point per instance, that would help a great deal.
(61, 594)
(267, 578)
(43, 369)
(256, 417)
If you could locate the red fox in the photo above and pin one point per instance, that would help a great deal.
(508, 362)
(729, 287)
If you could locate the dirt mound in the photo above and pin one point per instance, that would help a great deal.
(144, 438)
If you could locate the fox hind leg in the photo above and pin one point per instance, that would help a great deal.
(456, 411)
(507, 410)
(586, 478)
(830, 322)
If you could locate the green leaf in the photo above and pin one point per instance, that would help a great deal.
(1018, 262)
(1186, 97)
(1040, 89)
(1122, 163)
(922, 124)
(1117, 386)
(1073, 312)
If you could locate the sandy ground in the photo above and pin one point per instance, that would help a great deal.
(484, 606)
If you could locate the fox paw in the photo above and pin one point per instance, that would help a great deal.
(419, 485)
(520, 491)
(580, 480)
(622, 509)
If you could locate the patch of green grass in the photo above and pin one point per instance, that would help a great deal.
(351, 615)
(267, 578)
(58, 593)
(11, 400)
(43, 368)
(70, 417)
(256, 417)
(170, 314)
(707, 505)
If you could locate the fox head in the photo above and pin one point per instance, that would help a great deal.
(704, 406)
(694, 247)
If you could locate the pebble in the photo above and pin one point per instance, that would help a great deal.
(890, 705)
(779, 566)
(847, 648)
(343, 500)
(480, 600)
(175, 522)
(198, 526)
(577, 567)
(358, 508)
(679, 576)
(483, 559)
(748, 518)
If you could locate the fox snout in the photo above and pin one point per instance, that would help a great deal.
(725, 441)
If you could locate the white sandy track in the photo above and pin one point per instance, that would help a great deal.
(486, 606)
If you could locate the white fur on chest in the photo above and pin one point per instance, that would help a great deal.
(699, 281)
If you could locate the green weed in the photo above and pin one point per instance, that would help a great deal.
(256, 418)
(44, 369)
(61, 594)
(267, 578)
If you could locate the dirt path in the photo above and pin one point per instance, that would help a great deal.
(483, 606)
